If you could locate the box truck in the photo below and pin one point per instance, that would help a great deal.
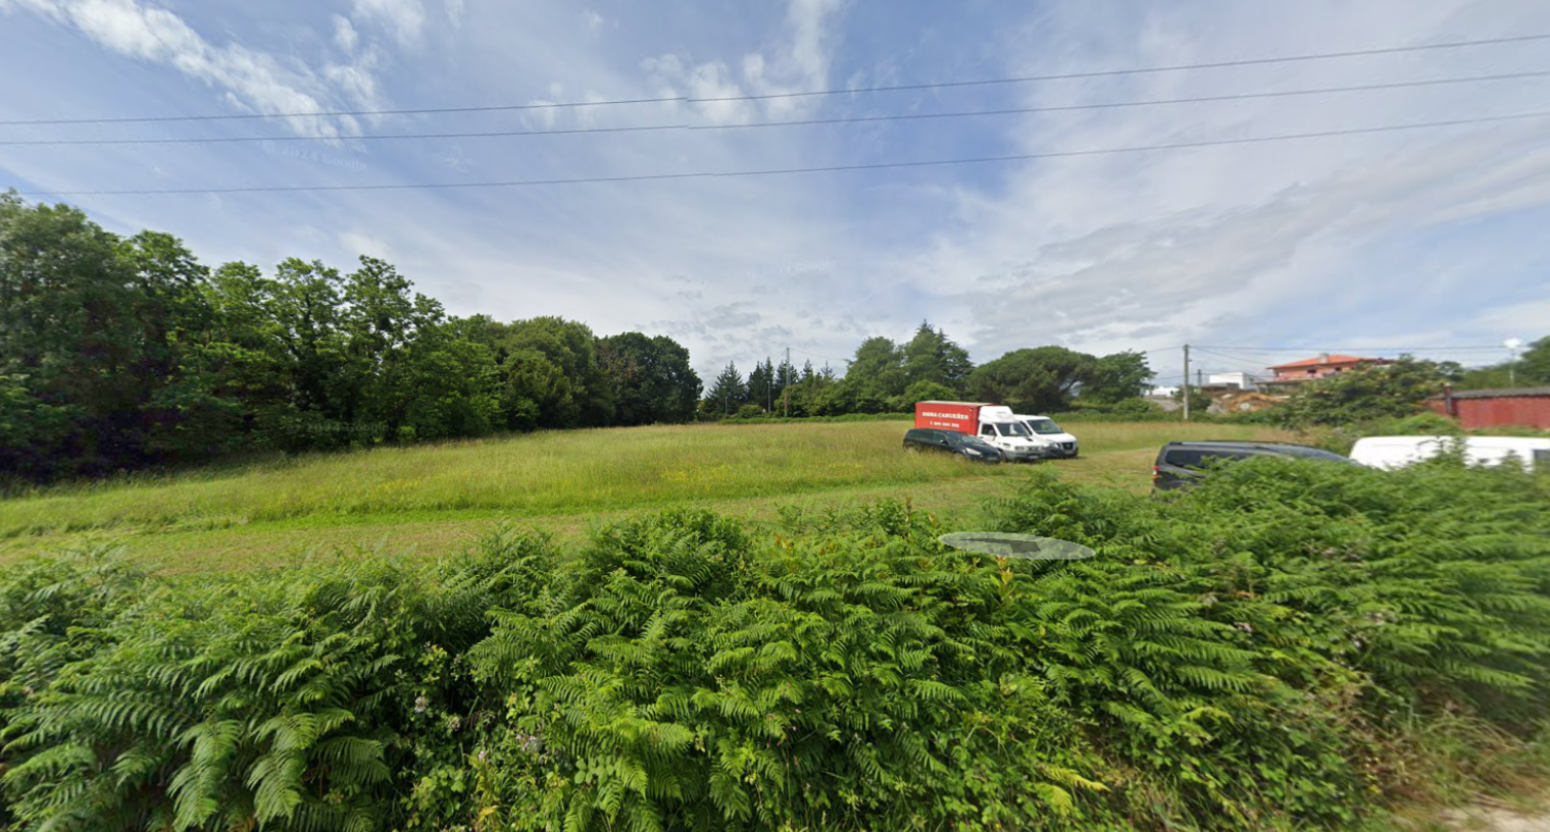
(993, 423)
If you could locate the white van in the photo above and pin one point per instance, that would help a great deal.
(1057, 443)
(1390, 452)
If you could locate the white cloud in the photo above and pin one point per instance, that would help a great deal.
(798, 62)
(454, 10)
(404, 19)
(249, 79)
(1253, 243)
(809, 55)
(360, 244)
(592, 20)
(344, 34)
(1526, 321)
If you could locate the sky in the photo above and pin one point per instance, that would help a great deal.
(1257, 252)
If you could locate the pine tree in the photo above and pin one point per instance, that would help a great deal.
(729, 392)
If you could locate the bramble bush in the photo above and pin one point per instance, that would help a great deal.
(1285, 646)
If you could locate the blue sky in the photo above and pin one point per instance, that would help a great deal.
(1414, 239)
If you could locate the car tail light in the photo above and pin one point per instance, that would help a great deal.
(1156, 474)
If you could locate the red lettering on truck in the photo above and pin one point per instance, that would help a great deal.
(963, 417)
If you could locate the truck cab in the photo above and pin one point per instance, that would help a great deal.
(1058, 443)
(999, 427)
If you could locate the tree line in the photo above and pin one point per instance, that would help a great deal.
(118, 353)
(887, 377)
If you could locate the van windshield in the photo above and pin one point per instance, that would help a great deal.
(1044, 426)
(1012, 429)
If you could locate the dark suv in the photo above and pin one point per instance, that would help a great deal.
(1178, 463)
(952, 441)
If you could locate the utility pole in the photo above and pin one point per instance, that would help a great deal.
(1186, 383)
(785, 390)
(1200, 378)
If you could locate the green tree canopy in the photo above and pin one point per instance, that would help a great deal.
(877, 371)
(651, 379)
(1533, 366)
(932, 356)
(1117, 377)
(1032, 380)
(926, 391)
(552, 363)
(728, 392)
(70, 341)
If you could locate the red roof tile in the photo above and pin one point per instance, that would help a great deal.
(1324, 361)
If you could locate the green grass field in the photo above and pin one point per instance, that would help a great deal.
(433, 498)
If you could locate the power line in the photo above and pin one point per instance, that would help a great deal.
(786, 171)
(1390, 50)
(1361, 88)
(377, 137)
(825, 358)
(1497, 347)
(792, 123)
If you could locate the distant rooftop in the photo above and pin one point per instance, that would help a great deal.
(1327, 360)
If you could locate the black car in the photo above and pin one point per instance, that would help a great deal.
(971, 447)
(1178, 463)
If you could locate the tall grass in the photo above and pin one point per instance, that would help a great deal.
(547, 473)
(268, 506)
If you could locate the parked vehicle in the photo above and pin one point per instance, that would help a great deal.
(1057, 443)
(1391, 452)
(993, 423)
(951, 441)
(1180, 463)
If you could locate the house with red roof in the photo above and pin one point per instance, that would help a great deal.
(1322, 366)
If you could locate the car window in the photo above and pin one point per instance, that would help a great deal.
(1201, 457)
(1182, 458)
(976, 442)
(987, 430)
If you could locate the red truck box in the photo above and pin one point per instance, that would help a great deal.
(963, 417)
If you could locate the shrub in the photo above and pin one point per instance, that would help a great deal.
(1275, 648)
(284, 699)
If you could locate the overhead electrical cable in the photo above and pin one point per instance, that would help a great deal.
(1497, 347)
(1106, 73)
(791, 123)
(653, 177)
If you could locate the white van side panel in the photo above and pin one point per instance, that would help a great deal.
(1391, 452)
